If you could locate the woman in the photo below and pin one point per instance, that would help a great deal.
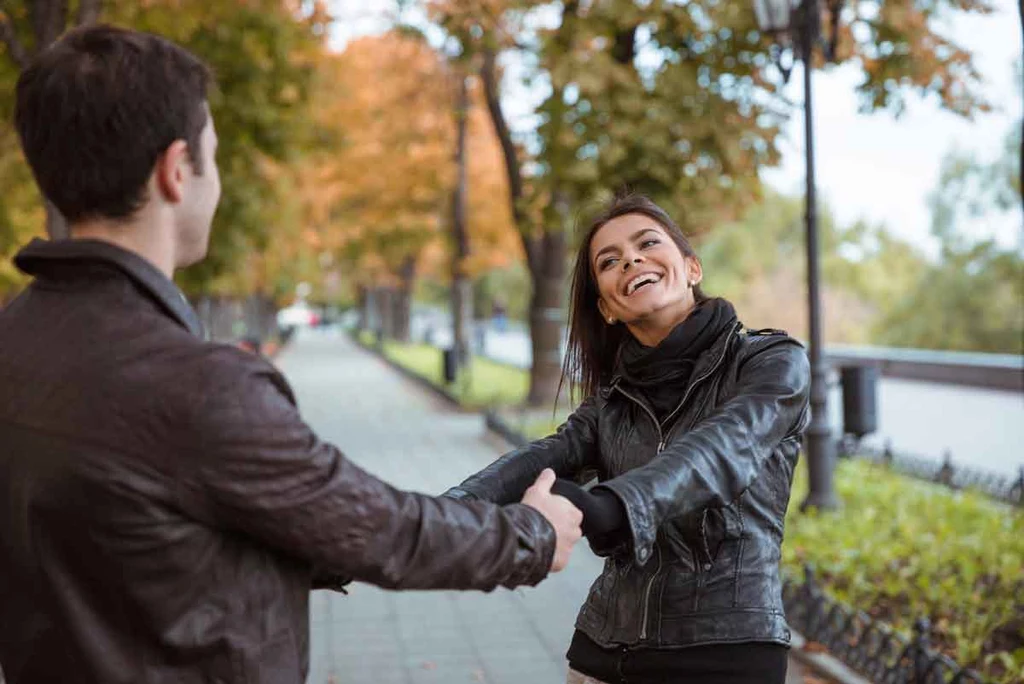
(692, 425)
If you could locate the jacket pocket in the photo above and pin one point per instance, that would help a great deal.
(593, 617)
(721, 557)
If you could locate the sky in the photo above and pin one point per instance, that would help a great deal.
(881, 168)
(869, 166)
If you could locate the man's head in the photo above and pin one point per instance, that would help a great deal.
(116, 128)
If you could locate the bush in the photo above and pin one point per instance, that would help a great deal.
(902, 549)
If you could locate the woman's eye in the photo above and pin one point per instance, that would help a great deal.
(648, 243)
(606, 263)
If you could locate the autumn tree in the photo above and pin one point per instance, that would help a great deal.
(676, 100)
(384, 202)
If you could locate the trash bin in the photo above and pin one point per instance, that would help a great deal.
(860, 400)
(450, 364)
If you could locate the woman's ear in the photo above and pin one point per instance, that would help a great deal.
(694, 271)
(602, 306)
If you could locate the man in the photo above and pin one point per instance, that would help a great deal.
(164, 511)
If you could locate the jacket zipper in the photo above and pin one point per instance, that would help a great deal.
(686, 395)
(647, 595)
(649, 412)
(661, 447)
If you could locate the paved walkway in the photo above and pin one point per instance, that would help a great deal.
(401, 433)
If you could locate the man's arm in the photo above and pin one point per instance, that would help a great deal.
(259, 470)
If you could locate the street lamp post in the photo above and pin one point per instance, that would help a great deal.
(799, 23)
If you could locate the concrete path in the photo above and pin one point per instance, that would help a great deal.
(402, 433)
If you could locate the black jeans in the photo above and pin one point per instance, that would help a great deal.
(748, 663)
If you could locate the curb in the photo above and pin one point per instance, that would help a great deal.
(822, 663)
(423, 382)
(495, 424)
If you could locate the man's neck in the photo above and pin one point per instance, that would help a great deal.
(134, 236)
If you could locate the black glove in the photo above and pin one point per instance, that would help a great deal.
(604, 516)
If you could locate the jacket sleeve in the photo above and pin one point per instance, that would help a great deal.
(260, 471)
(713, 463)
(572, 448)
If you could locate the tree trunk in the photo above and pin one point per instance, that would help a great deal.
(461, 293)
(363, 303)
(547, 317)
(385, 312)
(403, 300)
(223, 314)
(201, 304)
(545, 249)
(260, 317)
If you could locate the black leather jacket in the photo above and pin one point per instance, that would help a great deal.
(705, 494)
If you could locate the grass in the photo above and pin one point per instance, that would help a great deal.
(483, 384)
(903, 549)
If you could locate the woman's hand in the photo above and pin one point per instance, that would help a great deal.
(560, 512)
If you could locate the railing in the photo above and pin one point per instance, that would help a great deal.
(870, 647)
(990, 371)
(957, 477)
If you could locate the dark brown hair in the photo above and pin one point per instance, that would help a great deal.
(97, 108)
(593, 344)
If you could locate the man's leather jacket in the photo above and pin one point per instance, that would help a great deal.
(163, 507)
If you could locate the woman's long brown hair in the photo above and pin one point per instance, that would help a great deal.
(594, 344)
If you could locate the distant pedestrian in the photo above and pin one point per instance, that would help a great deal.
(164, 509)
(499, 315)
(692, 426)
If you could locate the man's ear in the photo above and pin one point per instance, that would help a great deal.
(171, 171)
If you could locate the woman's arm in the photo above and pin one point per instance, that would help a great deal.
(718, 459)
(571, 449)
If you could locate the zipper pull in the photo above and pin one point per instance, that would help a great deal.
(661, 446)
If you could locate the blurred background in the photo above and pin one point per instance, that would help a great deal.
(402, 183)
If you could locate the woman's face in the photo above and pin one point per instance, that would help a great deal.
(642, 277)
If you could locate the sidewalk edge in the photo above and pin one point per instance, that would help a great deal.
(423, 382)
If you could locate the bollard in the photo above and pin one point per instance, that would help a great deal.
(945, 474)
(920, 646)
(1017, 490)
(450, 365)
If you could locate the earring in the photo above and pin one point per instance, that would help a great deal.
(611, 321)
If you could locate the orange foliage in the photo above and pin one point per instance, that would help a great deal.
(380, 190)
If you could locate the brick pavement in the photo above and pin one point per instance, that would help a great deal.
(399, 432)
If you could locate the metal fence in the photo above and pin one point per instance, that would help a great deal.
(1006, 489)
(870, 647)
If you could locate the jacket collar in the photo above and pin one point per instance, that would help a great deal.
(46, 259)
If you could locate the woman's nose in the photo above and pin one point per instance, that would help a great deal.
(626, 263)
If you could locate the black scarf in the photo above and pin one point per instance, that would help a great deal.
(661, 374)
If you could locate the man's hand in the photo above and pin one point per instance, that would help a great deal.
(563, 516)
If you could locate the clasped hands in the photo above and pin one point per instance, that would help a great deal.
(574, 512)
